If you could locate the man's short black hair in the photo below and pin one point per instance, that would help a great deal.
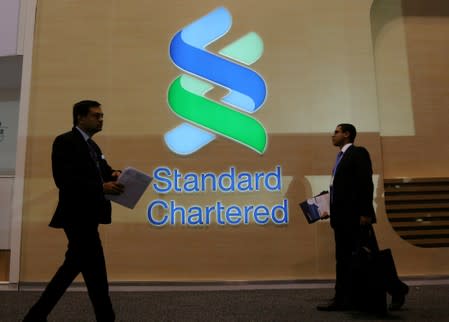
(82, 109)
(346, 127)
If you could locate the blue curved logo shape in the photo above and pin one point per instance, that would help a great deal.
(247, 89)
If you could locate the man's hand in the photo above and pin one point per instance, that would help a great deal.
(324, 215)
(116, 174)
(113, 188)
(365, 220)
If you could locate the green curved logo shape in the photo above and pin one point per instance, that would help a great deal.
(185, 97)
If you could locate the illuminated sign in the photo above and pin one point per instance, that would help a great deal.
(205, 119)
(161, 212)
(186, 94)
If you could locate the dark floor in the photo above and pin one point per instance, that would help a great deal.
(424, 303)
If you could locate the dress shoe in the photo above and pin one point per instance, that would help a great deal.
(34, 319)
(333, 306)
(398, 299)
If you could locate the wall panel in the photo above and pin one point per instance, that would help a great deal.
(319, 66)
(414, 77)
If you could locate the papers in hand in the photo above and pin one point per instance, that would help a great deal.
(135, 182)
(316, 208)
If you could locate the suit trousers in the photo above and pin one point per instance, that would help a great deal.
(84, 255)
(345, 243)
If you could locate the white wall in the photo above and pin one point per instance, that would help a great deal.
(9, 27)
(9, 114)
(10, 79)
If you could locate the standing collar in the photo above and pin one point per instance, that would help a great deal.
(345, 147)
(84, 134)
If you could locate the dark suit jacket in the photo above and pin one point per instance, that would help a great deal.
(352, 189)
(81, 197)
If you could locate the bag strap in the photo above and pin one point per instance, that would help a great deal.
(367, 239)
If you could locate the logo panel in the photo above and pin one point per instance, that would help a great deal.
(186, 95)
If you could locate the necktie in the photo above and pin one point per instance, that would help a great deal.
(94, 154)
(337, 161)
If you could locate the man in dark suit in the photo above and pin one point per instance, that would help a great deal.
(351, 213)
(83, 177)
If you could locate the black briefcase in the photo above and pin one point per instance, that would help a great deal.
(369, 289)
(390, 277)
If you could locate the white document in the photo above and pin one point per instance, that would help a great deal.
(316, 208)
(135, 183)
(322, 201)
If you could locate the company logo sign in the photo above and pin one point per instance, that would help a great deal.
(162, 212)
(206, 118)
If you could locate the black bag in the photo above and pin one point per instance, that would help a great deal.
(369, 289)
(390, 277)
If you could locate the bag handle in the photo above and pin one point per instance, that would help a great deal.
(367, 239)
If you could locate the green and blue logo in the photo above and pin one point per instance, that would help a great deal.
(204, 117)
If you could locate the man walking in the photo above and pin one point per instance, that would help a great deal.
(83, 177)
(351, 216)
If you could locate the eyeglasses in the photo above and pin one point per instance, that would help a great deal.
(97, 115)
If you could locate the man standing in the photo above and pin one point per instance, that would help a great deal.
(351, 206)
(351, 215)
(83, 177)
